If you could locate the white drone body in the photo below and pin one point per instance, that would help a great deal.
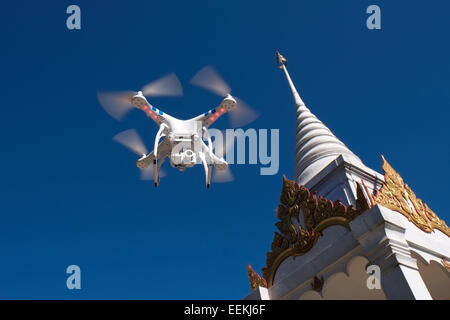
(185, 142)
(182, 140)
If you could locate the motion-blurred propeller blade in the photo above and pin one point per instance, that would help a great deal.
(221, 176)
(169, 85)
(222, 145)
(147, 173)
(209, 79)
(131, 140)
(243, 114)
(116, 104)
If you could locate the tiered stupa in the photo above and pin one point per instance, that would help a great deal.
(347, 232)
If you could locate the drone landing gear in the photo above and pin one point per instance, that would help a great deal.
(155, 173)
(208, 176)
(159, 134)
(208, 169)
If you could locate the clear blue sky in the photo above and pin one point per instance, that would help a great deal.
(70, 195)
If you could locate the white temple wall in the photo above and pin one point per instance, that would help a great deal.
(408, 258)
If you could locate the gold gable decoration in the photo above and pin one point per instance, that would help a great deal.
(255, 279)
(398, 196)
(446, 264)
(281, 60)
(318, 213)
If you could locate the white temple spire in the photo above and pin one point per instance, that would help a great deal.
(297, 99)
(315, 145)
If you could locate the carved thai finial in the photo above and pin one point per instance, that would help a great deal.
(255, 279)
(317, 284)
(280, 60)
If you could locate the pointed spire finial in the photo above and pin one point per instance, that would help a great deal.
(281, 61)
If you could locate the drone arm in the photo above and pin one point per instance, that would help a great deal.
(141, 102)
(157, 115)
(212, 115)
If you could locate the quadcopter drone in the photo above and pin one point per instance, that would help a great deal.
(185, 142)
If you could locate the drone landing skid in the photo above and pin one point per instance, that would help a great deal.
(156, 173)
(207, 167)
(208, 177)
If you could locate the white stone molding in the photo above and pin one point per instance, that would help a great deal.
(381, 233)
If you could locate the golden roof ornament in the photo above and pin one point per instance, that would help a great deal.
(317, 284)
(446, 264)
(280, 59)
(255, 279)
(398, 196)
(319, 214)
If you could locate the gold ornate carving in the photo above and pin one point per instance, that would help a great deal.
(281, 60)
(292, 240)
(317, 284)
(318, 213)
(255, 279)
(446, 264)
(398, 196)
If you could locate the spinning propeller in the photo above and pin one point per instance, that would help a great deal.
(209, 79)
(132, 141)
(221, 148)
(118, 104)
